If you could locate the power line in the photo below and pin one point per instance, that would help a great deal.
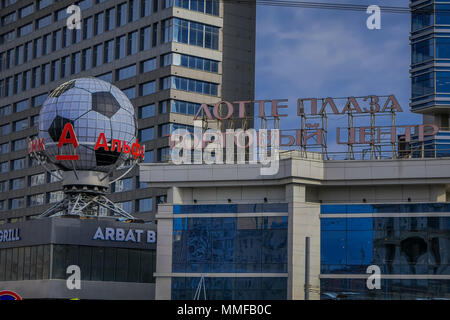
(328, 6)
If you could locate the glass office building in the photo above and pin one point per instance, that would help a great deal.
(227, 245)
(430, 74)
(410, 243)
(167, 56)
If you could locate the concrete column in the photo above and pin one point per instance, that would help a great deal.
(163, 289)
(303, 222)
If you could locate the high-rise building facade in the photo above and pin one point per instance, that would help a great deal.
(430, 72)
(167, 56)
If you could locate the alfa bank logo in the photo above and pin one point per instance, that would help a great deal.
(68, 136)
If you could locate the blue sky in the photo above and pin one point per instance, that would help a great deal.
(319, 53)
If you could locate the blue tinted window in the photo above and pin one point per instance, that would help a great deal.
(443, 82)
(145, 205)
(147, 111)
(126, 72)
(257, 244)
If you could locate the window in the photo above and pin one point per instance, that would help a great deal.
(34, 120)
(37, 47)
(144, 205)
(126, 72)
(443, 82)
(98, 52)
(110, 19)
(443, 48)
(134, 10)
(37, 180)
(4, 148)
(36, 77)
(123, 185)
(55, 196)
(147, 88)
(190, 32)
(109, 51)
(65, 67)
(87, 28)
(85, 4)
(18, 83)
(5, 129)
(155, 35)
(87, 59)
(24, 30)
(19, 144)
(211, 37)
(43, 22)
(10, 58)
(17, 184)
(191, 62)
(163, 130)
(61, 14)
(130, 92)
(145, 38)
(56, 67)
(16, 203)
(76, 36)
(146, 8)
(26, 11)
(10, 18)
(442, 16)
(422, 51)
(46, 73)
(122, 14)
(148, 65)
(5, 111)
(47, 44)
(39, 100)
(212, 7)
(126, 206)
(9, 86)
(190, 85)
(149, 157)
(28, 53)
(18, 164)
(76, 63)
(147, 111)
(106, 77)
(19, 55)
(132, 42)
(98, 23)
(36, 200)
(43, 3)
(184, 107)
(180, 30)
(3, 205)
(423, 85)
(66, 37)
(57, 44)
(146, 134)
(20, 125)
(164, 154)
(21, 105)
(161, 199)
(4, 167)
(121, 47)
(3, 186)
(53, 178)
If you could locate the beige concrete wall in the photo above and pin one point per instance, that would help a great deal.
(303, 222)
(379, 194)
(164, 252)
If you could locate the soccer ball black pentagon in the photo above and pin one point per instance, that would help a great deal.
(92, 106)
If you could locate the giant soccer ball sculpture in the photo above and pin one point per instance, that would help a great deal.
(92, 107)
